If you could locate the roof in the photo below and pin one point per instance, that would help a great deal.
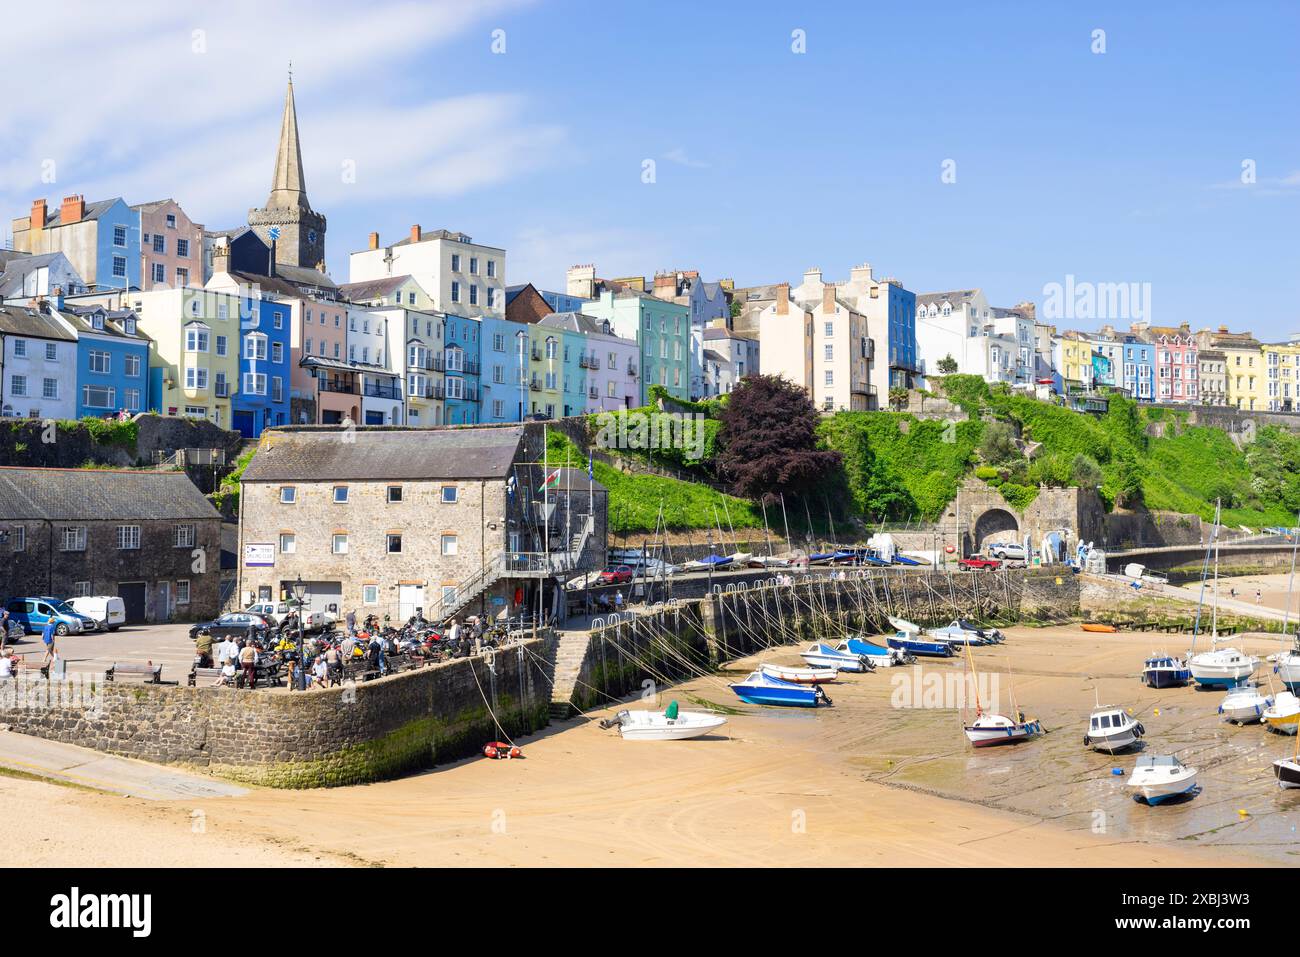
(957, 295)
(346, 365)
(89, 495)
(153, 206)
(577, 322)
(9, 255)
(114, 322)
(17, 271)
(372, 288)
(279, 285)
(427, 235)
(715, 356)
(316, 453)
(21, 321)
(93, 211)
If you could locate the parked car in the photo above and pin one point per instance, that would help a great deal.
(1014, 551)
(617, 575)
(978, 561)
(235, 624)
(108, 612)
(33, 613)
(275, 611)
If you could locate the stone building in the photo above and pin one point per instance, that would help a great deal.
(151, 538)
(390, 521)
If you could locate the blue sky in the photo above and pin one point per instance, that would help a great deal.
(1116, 167)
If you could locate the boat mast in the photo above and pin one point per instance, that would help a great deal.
(1214, 614)
(1286, 611)
(1205, 570)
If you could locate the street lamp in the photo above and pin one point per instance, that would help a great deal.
(299, 593)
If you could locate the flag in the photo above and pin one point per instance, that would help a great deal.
(552, 480)
(591, 475)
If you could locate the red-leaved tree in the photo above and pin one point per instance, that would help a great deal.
(768, 440)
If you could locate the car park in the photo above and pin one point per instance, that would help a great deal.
(34, 613)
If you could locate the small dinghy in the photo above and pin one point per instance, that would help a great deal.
(1160, 777)
(878, 655)
(962, 632)
(798, 675)
(824, 656)
(921, 648)
(1244, 704)
(759, 688)
(1098, 627)
(1283, 715)
(1221, 669)
(669, 725)
(904, 627)
(990, 729)
(1112, 729)
(1165, 671)
(1287, 772)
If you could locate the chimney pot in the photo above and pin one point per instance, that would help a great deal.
(38, 214)
(374, 240)
(73, 209)
(415, 233)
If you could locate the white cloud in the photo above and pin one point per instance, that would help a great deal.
(678, 156)
(542, 254)
(149, 100)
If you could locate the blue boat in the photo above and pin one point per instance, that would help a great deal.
(824, 656)
(877, 654)
(874, 560)
(759, 688)
(820, 557)
(1165, 671)
(928, 649)
(904, 560)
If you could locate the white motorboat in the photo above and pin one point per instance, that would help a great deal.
(824, 656)
(878, 655)
(1287, 772)
(658, 726)
(1283, 714)
(797, 674)
(962, 632)
(1244, 704)
(739, 559)
(1224, 668)
(990, 729)
(1159, 777)
(1287, 666)
(1112, 729)
(904, 627)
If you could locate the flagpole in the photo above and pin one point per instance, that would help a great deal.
(546, 522)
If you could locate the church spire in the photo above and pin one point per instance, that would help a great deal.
(289, 187)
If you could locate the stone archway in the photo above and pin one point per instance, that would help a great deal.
(996, 524)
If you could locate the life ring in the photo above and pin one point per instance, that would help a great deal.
(949, 549)
(500, 749)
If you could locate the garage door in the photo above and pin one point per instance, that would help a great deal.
(132, 595)
(409, 598)
(325, 596)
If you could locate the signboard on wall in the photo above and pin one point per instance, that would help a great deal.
(258, 555)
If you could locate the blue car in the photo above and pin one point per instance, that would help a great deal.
(33, 613)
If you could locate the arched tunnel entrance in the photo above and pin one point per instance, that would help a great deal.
(996, 525)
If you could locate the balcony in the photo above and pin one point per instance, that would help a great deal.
(537, 355)
(430, 390)
(535, 385)
(588, 362)
(376, 391)
(338, 385)
(593, 394)
(631, 368)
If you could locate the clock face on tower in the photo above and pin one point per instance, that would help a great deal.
(311, 236)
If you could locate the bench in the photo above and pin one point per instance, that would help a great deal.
(206, 675)
(152, 673)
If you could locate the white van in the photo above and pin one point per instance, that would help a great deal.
(107, 611)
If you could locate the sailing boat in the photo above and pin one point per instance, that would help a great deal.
(1224, 668)
(990, 728)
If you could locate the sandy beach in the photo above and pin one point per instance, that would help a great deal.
(861, 783)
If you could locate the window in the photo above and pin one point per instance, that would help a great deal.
(255, 347)
(370, 594)
(491, 298)
(131, 366)
(449, 495)
(448, 543)
(498, 409)
(277, 352)
(255, 383)
(277, 389)
(394, 544)
(449, 594)
(183, 248)
(221, 345)
(830, 352)
(182, 593)
(340, 494)
(455, 291)
(473, 265)
(184, 536)
(498, 342)
(20, 349)
(455, 262)
(73, 539)
(473, 295)
(119, 236)
(340, 543)
(288, 543)
(394, 494)
(159, 273)
(830, 377)
(159, 243)
(128, 537)
(171, 220)
(51, 352)
(196, 377)
(196, 338)
(288, 494)
(491, 268)
(20, 538)
(101, 362)
(119, 267)
(98, 397)
(80, 589)
(50, 388)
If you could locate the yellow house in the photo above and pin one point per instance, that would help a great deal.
(197, 337)
(1281, 379)
(1074, 360)
(1243, 366)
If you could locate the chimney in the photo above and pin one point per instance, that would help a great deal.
(72, 210)
(415, 233)
(665, 286)
(860, 274)
(828, 297)
(38, 214)
(783, 299)
(580, 281)
(374, 240)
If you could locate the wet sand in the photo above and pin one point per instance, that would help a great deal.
(861, 783)
(1272, 593)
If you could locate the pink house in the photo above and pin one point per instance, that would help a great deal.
(171, 246)
(1175, 363)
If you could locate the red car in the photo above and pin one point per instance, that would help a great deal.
(978, 561)
(617, 575)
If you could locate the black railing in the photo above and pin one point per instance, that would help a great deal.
(338, 385)
(375, 390)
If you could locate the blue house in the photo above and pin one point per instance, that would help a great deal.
(112, 371)
(904, 360)
(461, 365)
(503, 389)
(262, 400)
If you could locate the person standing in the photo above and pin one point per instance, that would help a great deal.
(351, 619)
(4, 628)
(1259, 597)
(248, 661)
(47, 636)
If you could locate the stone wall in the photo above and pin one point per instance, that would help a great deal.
(338, 736)
(22, 443)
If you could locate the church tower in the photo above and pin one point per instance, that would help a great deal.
(301, 240)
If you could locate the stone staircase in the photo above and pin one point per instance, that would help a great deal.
(569, 653)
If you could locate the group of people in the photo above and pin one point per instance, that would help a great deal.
(10, 663)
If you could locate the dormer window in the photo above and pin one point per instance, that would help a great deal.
(97, 321)
(129, 325)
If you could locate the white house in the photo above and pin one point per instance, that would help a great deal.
(463, 278)
(370, 353)
(38, 371)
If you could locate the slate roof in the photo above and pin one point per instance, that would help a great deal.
(577, 322)
(90, 495)
(372, 288)
(17, 270)
(320, 454)
(21, 321)
(93, 211)
(114, 321)
(956, 296)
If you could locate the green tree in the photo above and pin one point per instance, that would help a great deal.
(948, 365)
(999, 443)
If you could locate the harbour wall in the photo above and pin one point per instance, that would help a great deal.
(348, 735)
